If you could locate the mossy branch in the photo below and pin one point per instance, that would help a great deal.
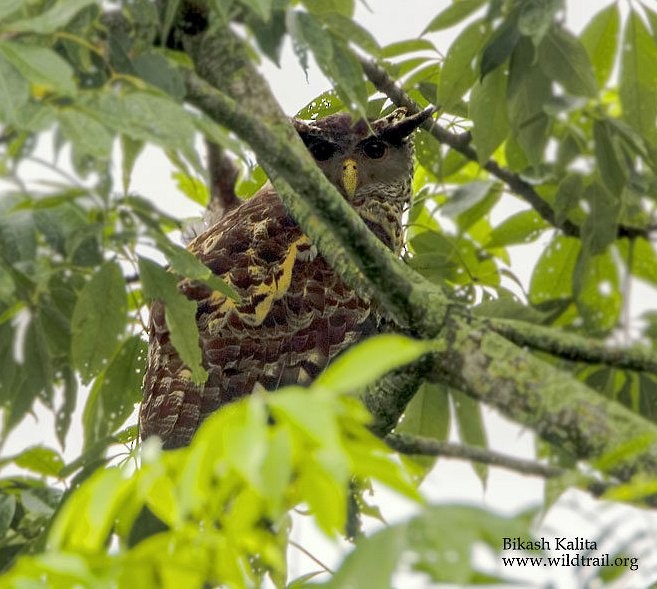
(574, 347)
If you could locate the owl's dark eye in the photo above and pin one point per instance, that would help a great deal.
(322, 150)
(375, 149)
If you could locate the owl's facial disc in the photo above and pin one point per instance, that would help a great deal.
(350, 176)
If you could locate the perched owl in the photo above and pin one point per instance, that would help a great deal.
(294, 314)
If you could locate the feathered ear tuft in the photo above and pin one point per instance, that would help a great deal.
(396, 126)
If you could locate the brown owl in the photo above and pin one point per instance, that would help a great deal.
(295, 314)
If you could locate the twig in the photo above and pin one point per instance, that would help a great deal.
(419, 445)
(461, 143)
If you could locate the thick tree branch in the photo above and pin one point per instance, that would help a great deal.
(573, 347)
(552, 403)
(461, 143)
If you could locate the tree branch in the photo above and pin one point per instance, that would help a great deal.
(461, 143)
(422, 446)
(574, 347)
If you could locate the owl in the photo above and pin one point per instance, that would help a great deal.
(294, 313)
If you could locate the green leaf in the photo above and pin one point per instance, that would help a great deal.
(14, 91)
(115, 392)
(187, 264)
(41, 460)
(470, 426)
(641, 256)
(323, 7)
(41, 66)
(130, 150)
(262, 8)
(427, 415)
(99, 320)
(144, 117)
(471, 202)
(84, 525)
(408, 46)
(7, 511)
(351, 31)
(453, 14)
(537, 16)
(610, 158)
(193, 188)
(447, 558)
(500, 47)
(57, 16)
(553, 274)
(88, 136)
(334, 59)
(529, 90)
(488, 113)
(523, 227)
(564, 59)
(157, 70)
(600, 39)
(458, 73)
(597, 294)
(180, 315)
(638, 78)
(365, 363)
(600, 227)
(569, 193)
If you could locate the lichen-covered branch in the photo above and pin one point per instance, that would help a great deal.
(574, 347)
(551, 402)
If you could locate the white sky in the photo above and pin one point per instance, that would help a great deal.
(452, 480)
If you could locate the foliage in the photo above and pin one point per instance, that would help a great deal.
(559, 126)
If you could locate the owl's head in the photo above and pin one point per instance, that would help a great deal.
(364, 159)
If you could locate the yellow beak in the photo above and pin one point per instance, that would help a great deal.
(350, 176)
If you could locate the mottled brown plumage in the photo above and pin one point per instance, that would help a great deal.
(295, 314)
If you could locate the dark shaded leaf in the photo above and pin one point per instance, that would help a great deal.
(537, 16)
(500, 47)
(564, 59)
(529, 90)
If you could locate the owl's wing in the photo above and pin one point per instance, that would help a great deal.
(294, 315)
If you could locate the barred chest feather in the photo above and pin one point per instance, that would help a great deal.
(293, 317)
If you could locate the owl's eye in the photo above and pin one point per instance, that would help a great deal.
(322, 150)
(375, 149)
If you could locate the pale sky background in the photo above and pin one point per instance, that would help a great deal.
(452, 481)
